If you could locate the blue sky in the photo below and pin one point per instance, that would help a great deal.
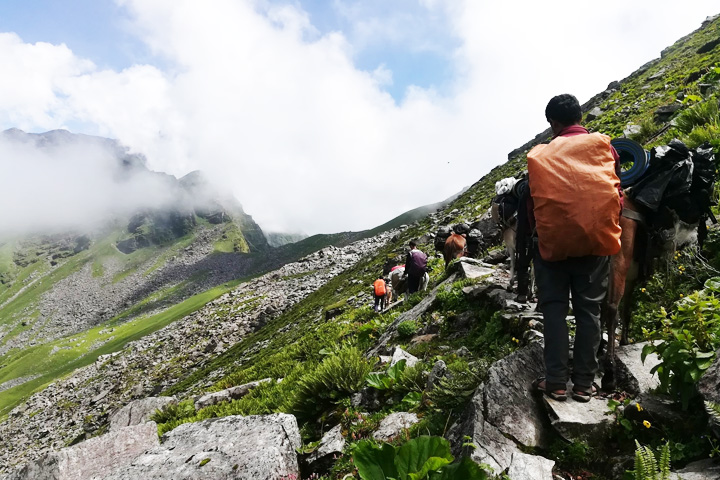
(320, 116)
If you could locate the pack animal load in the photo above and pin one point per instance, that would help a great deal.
(678, 182)
(505, 204)
(576, 199)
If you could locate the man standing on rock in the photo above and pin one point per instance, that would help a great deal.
(415, 267)
(574, 206)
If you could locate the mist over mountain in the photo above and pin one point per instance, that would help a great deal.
(57, 181)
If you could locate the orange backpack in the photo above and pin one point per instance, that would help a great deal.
(574, 189)
(379, 287)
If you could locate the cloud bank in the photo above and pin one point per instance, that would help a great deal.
(252, 93)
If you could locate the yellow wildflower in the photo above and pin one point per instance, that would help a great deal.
(681, 295)
(647, 424)
(643, 290)
(639, 407)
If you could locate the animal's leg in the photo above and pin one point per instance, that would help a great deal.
(619, 266)
(626, 310)
(509, 240)
(610, 320)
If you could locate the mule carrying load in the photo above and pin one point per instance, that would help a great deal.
(668, 195)
(676, 185)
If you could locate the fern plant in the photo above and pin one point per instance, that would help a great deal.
(713, 410)
(648, 467)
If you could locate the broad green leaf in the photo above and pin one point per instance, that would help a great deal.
(397, 369)
(713, 284)
(375, 463)
(647, 349)
(412, 455)
(466, 469)
(433, 464)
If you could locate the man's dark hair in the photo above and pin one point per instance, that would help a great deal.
(412, 243)
(564, 109)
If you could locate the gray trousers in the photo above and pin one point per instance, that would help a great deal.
(587, 279)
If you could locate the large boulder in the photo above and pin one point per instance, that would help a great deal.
(504, 415)
(249, 448)
(633, 374)
(138, 411)
(94, 458)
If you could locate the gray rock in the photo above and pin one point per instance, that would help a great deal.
(631, 129)
(138, 411)
(511, 406)
(400, 354)
(438, 371)
(707, 469)
(394, 424)
(491, 447)
(332, 443)
(658, 74)
(503, 411)
(633, 375)
(589, 422)
(594, 113)
(227, 395)
(250, 448)
(709, 385)
(94, 458)
(468, 270)
(664, 113)
(530, 467)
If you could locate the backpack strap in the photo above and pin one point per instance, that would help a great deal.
(633, 215)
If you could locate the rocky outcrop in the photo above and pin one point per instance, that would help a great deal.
(94, 458)
(234, 447)
(139, 411)
(504, 413)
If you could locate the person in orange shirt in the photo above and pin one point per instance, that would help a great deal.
(575, 198)
(379, 291)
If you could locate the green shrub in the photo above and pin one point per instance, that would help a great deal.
(407, 328)
(700, 114)
(336, 377)
(688, 341)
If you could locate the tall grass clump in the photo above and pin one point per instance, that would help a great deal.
(336, 377)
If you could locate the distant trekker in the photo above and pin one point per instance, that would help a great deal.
(575, 209)
(379, 292)
(415, 268)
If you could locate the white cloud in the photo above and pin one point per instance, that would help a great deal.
(267, 105)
